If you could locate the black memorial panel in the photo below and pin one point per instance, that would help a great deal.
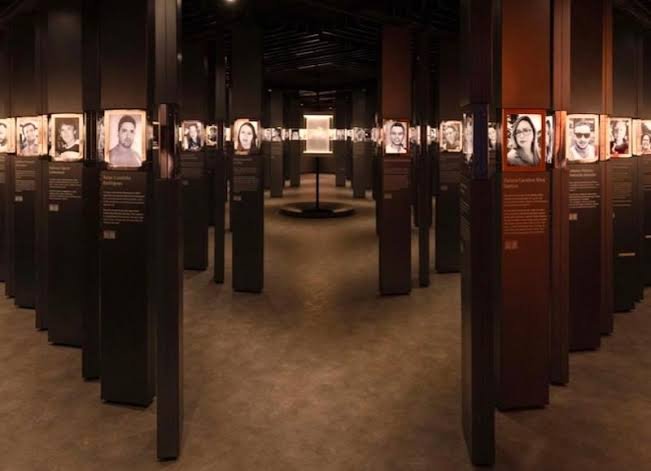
(277, 181)
(585, 259)
(66, 257)
(24, 225)
(625, 233)
(447, 213)
(195, 210)
(126, 325)
(247, 223)
(3, 219)
(645, 168)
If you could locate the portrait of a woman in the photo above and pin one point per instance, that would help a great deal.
(246, 140)
(524, 151)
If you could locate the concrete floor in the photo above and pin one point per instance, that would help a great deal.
(320, 373)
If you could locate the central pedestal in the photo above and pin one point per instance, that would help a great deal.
(320, 210)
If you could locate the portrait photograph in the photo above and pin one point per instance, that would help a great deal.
(414, 135)
(67, 131)
(492, 137)
(246, 136)
(294, 135)
(266, 135)
(7, 135)
(340, 135)
(619, 137)
(359, 135)
(524, 134)
(29, 136)
(450, 140)
(276, 134)
(549, 139)
(212, 134)
(395, 136)
(227, 134)
(350, 134)
(125, 138)
(468, 136)
(432, 134)
(192, 136)
(582, 138)
(100, 135)
(642, 137)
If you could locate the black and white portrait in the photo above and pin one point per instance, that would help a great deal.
(468, 136)
(7, 135)
(492, 136)
(549, 139)
(192, 136)
(294, 135)
(414, 135)
(125, 138)
(340, 135)
(266, 135)
(67, 131)
(276, 134)
(317, 133)
(395, 136)
(450, 140)
(582, 138)
(246, 136)
(620, 137)
(28, 136)
(212, 134)
(642, 137)
(227, 134)
(359, 135)
(100, 135)
(432, 134)
(523, 135)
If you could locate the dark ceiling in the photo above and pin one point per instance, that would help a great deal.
(319, 44)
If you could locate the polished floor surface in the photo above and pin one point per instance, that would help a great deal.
(320, 373)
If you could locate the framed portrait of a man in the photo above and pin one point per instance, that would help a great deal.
(432, 134)
(524, 140)
(641, 137)
(67, 131)
(246, 136)
(276, 134)
(7, 135)
(192, 136)
(30, 136)
(395, 136)
(619, 137)
(212, 135)
(582, 138)
(450, 140)
(414, 135)
(125, 138)
(294, 135)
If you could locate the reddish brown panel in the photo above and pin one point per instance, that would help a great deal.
(526, 58)
(396, 72)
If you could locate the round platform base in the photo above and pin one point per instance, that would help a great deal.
(308, 210)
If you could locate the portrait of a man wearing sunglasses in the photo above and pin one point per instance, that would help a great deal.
(582, 137)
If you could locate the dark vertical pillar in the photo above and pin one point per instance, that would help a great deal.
(168, 241)
(560, 224)
(295, 121)
(276, 120)
(27, 100)
(589, 290)
(219, 181)
(522, 306)
(247, 223)
(448, 164)
(195, 88)
(61, 262)
(395, 208)
(91, 193)
(477, 244)
(361, 150)
(127, 343)
(340, 147)
(5, 112)
(424, 108)
(644, 100)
